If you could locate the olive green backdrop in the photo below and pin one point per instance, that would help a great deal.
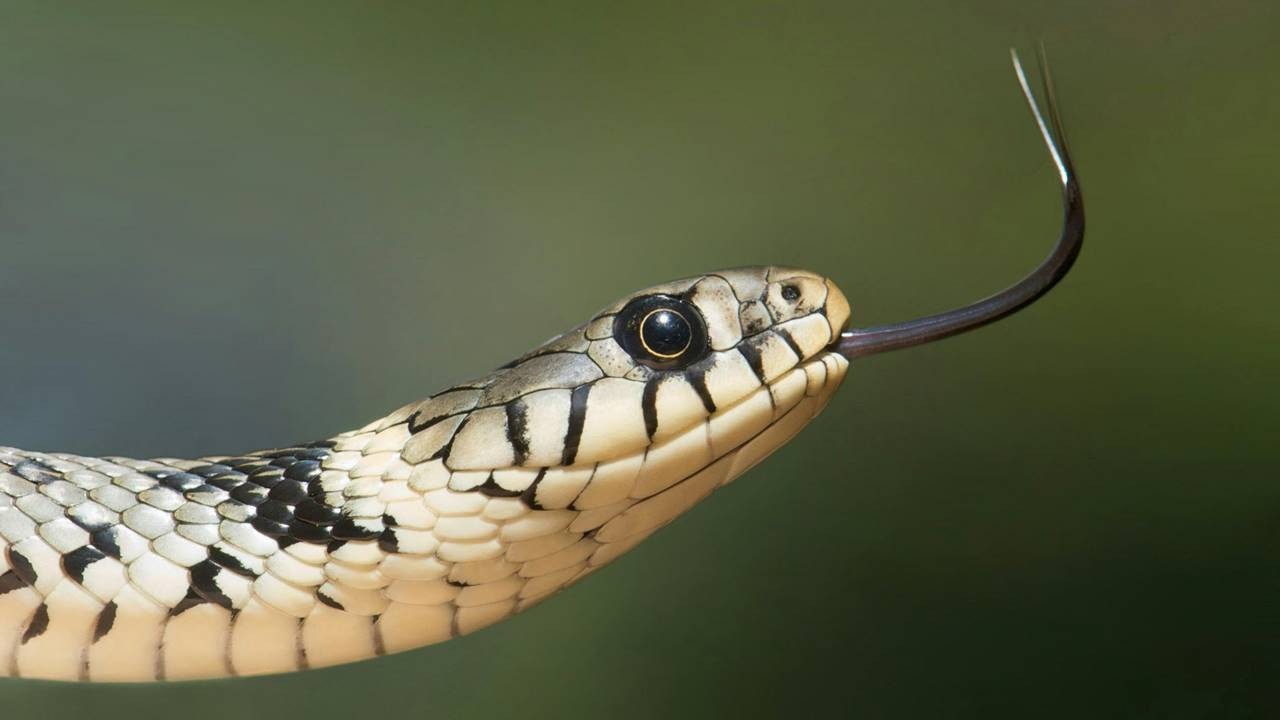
(224, 226)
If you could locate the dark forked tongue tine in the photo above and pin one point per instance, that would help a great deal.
(883, 338)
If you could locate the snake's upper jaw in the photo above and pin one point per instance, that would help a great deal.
(882, 338)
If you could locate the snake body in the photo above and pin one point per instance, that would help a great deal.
(443, 517)
(451, 513)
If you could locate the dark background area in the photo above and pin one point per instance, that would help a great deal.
(225, 227)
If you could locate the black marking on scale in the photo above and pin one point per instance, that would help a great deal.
(530, 495)
(491, 488)
(577, 417)
(21, 566)
(190, 600)
(181, 481)
(204, 582)
(10, 581)
(753, 326)
(791, 342)
(75, 562)
(518, 429)
(348, 529)
(105, 540)
(39, 623)
(649, 405)
(230, 562)
(106, 620)
(751, 353)
(326, 600)
(443, 452)
(416, 427)
(87, 524)
(387, 540)
(101, 626)
(35, 471)
(697, 377)
(573, 505)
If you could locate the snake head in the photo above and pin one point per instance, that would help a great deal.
(625, 421)
(653, 365)
(550, 467)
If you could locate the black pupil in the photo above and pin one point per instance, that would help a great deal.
(790, 292)
(666, 333)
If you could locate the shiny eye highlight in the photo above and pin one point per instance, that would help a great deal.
(665, 333)
(662, 332)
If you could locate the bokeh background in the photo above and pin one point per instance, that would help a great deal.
(225, 226)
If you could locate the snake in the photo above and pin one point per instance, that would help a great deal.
(451, 513)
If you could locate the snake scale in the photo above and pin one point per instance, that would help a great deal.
(449, 514)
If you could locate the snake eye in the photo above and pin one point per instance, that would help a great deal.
(665, 333)
(661, 331)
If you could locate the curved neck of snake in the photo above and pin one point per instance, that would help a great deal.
(883, 338)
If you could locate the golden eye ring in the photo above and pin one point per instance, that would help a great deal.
(665, 333)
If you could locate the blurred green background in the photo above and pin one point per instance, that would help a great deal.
(225, 226)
